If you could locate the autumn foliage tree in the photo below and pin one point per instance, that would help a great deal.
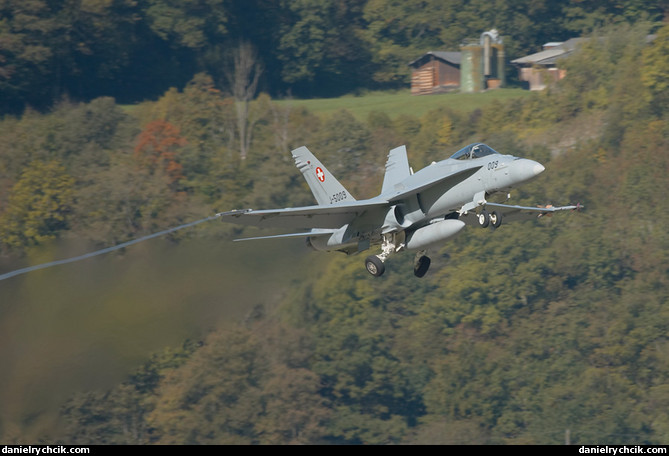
(158, 147)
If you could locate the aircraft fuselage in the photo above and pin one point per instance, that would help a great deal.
(491, 174)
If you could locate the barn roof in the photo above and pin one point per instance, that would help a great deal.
(446, 56)
(551, 55)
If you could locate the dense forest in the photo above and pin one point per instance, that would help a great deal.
(136, 49)
(540, 332)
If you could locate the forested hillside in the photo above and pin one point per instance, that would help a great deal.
(535, 333)
(136, 49)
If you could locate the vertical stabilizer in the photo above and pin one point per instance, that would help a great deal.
(325, 187)
(397, 169)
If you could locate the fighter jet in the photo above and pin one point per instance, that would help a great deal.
(414, 211)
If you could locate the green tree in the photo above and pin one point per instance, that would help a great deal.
(593, 69)
(190, 24)
(26, 54)
(294, 411)
(199, 405)
(343, 145)
(655, 76)
(126, 200)
(39, 206)
(321, 46)
(366, 371)
(119, 416)
(55, 48)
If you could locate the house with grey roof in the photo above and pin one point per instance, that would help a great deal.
(540, 69)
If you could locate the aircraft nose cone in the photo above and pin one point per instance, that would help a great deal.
(525, 170)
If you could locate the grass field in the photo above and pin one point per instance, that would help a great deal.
(402, 102)
(394, 103)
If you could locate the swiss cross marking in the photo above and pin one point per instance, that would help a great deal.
(320, 174)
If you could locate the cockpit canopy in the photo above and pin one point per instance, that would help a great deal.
(476, 150)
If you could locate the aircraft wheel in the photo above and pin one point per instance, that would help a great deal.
(375, 266)
(484, 218)
(421, 266)
(495, 219)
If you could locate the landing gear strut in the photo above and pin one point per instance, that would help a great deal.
(392, 242)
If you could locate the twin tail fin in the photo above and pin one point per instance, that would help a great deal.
(325, 187)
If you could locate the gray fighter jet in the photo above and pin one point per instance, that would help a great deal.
(415, 211)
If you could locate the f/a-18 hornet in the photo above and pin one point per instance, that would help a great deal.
(415, 211)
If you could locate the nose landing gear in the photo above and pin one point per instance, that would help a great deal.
(485, 219)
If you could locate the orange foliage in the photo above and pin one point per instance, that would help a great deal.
(158, 146)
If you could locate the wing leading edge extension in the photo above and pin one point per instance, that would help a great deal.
(446, 181)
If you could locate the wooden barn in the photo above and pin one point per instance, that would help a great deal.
(435, 72)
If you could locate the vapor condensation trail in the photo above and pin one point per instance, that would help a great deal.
(103, 251)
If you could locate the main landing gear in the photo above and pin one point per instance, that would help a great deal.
(392, 243)
(421, 264)
(376, 267)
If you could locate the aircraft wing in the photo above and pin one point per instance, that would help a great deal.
(510, 212)
(307, 217)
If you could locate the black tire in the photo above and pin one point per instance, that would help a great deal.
(375, 266)
(496, 219)
(484, 219)
(421, 267)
